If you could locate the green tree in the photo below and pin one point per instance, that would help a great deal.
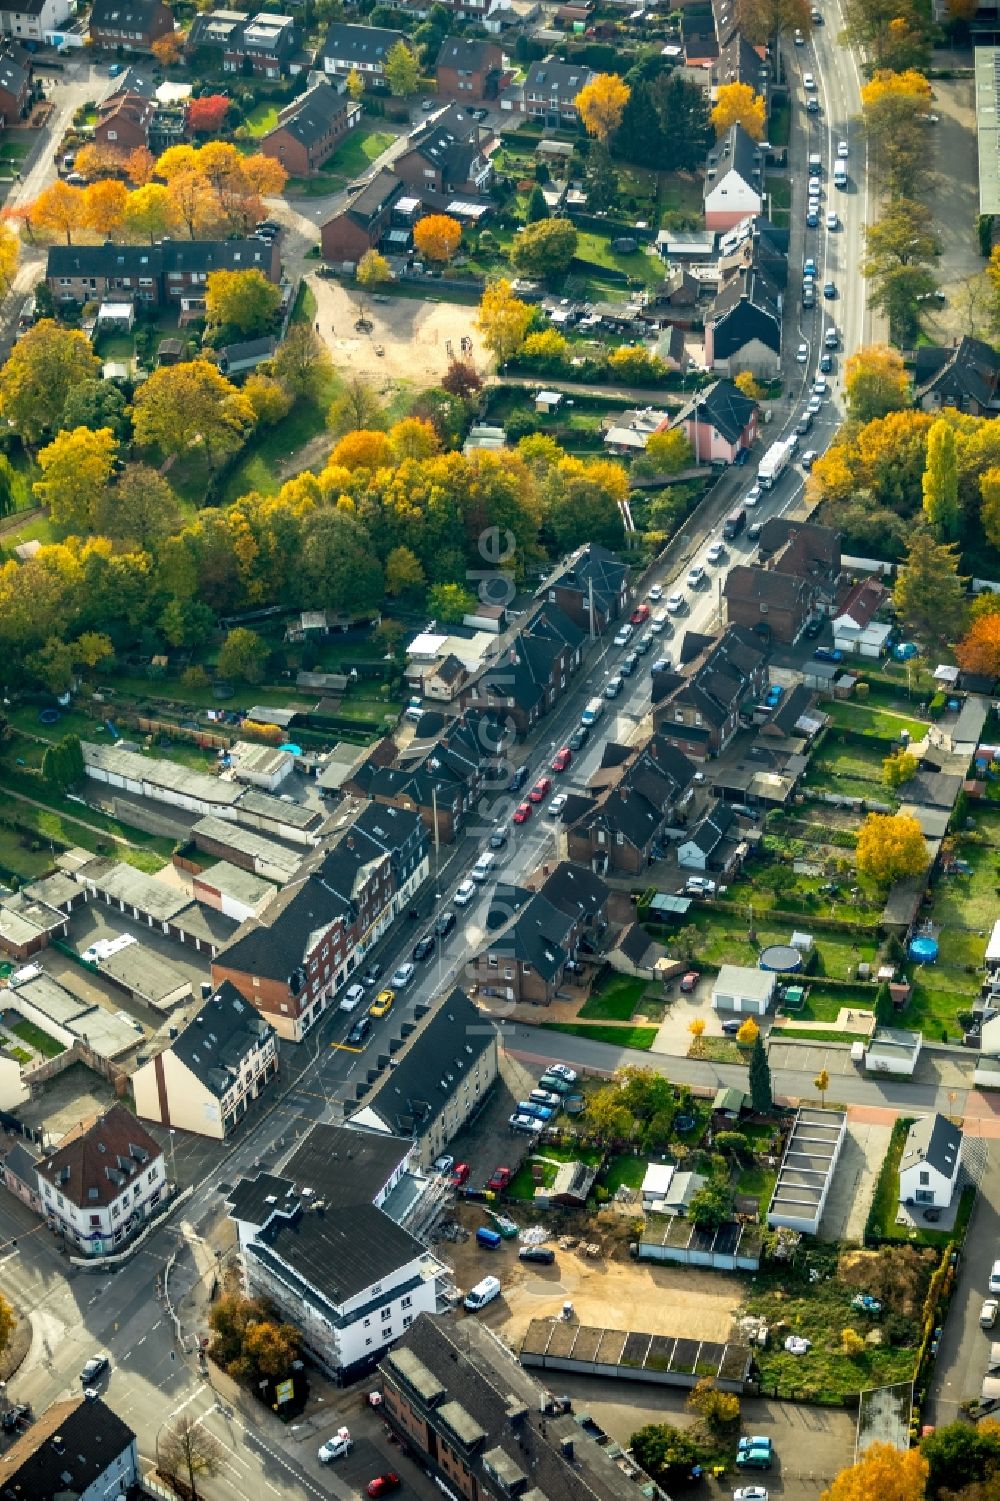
(139, 507)
(667, 1454)
(403, 571)
(961, 1454)
(402, 71)
(899, 249)
(711, 1206)
(450, 602)
(191, 407)
(52, 665)
(8, 487)
(929, 595)
(42, 369)
(245, 300)
(243, 655)
(358, 408)
(601, 180)
(95, 404)
(186, 622)
(761, 1096)
(537, 207)
(62, 763)
(640, 138)
(302, 363)
(544, 249)
(940, 482)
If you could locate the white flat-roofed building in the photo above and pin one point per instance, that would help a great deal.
(807, 1169)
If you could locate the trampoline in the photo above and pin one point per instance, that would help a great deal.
(924, 950)
(293, 750)
(48, 716)
(780, 958)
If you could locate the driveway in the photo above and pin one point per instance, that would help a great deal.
(961, 1361)
(853, 1186)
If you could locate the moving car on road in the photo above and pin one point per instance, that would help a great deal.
(463, 896)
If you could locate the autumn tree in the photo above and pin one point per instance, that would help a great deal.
(95, 159)
(891, 846)
(979, 649)
(750, 386)
(929, 595)
(186, 1451)
(8, 1321)
(737, 104)
(10, 252)
(761, 1096)
(302, 363)
(544, 249)
(139, 508)
(404, 573)
(372, 270)
(892, 104)
(139, 166)
(244, 655)
(183, 157)
(748, 1033)
(59, 209)
(355, 85)
(821, 1084)
(365, 448)
(437, 236)
(719, 1411)
(192, 202)
(667, 1454)
(149, 212)
(901, 766)
(104, 206)
(696, 1026)
(191, 407)
(168, 49)
(940, 482)
(205, 116)
(402, 71)
(884, 1471)
(413, 438)
(358, 407)
(246, 300)
(601, 104)
(767, 20)
(268, 398)
(503, 321)
(961, 1454)
(41, 370)
(876, 382)
(77, 467)
(669, 452)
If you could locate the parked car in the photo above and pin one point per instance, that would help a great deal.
(552, 1084)
(752, 496)
(497, 839)
(624, 635)
(826, 363)
(754, 1459)
(463, 896)
(700, 884)
(540, 1112)
(562, 1071)
(498, 1179)
(689, 981)
(731, 1026)
(371, 975)
(461, 1175)
(561, 759)
(613, 686)
(750, 1493)
(546, 1097)
(995, 1278)
(809, 83)
(557, 804)
(809, 458)
(642, 646)
(541, 790)
(832, 654)
(988, 1313)
(518, 779)
(335, 1447)
(813, 630)
(832, 222)
(629, 663)
(526, 1123)
(802, 353)
(541, 1255)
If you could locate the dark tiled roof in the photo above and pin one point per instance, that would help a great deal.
(253, 1200)
(277, 947)
(745, 309)
(550, 77)
(739, 62)
(92, 1164)
(344, 1166)
(575, 890)
(428, 1072)
(970, 371)
(377, 194)
(466, 53)
(93, 1437)
(713, 828)
(154, 260)
(313, 116)
(123, 15)
(219, 1037)
(935, 1141)
(133, 81)
(338, 1254)
(725, 407)
(753, 585)
(737, 152)
(359, 44)
(592, 563)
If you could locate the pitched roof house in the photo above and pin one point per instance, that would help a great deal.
(155, 275)
(734, 180)
(442, 783)
(532, 674)
(855, 628)
(645, 791)
(363, 221)
(29, 20)
(133, 25)
(310, 128)
(931, 1160)
(447, 155)
(740, 62)
(743, 327)
(76, 1450)
(702, 713)
(361, 49)
(719, 423)
(967, 377)
(469, 69)
(591, 587)
(102, 1181)
(701, 849)
(531, 937)
(550, 89)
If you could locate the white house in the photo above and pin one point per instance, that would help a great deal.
(703, 842)
(929, 1166)
(263, 766)
(102, 1182)
(744, 990)
(329, 1245)
(31, 19)
(76, 1449)
(855, 628)
(892, 1051)
(734, 180)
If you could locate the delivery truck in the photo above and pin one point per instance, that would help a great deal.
(772, 465)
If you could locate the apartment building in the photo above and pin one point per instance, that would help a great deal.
(155, 275)
(102, 1182)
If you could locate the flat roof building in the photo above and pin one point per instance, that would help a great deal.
(807, 1170)
(145, 976)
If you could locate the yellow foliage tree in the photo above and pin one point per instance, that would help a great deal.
(437, 237)
(601, 104)
(191, 406)
(503, 321)
(748, 1033)
(821, 1084)
(851, 1342)
(59, 209)
(670, 452)
(192, 202)
(884, 1472)
(355, 84)
(413, 438)
(168, 49)
(104, 206)
(751, 388)
(176, 159)
(43, 368)
(149, 212)
(363, 449)
(876, 382)
(891, 846)
(10, 251)
(898, 768)
(372, 270)
(886, 85)
(737, 104)
(697, 1029)
(77, 467)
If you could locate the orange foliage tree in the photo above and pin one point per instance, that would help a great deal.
(979, 649)
(364, 449)
(437, 237)
(59, 209)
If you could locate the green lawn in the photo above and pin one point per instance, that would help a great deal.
(626, 1170)
(824, 1002)
(681, 193)
(261, 119)
(639, 265)
(355, 155)
(257, 468)
(49, 1047)
(758, 1181)
(616, 1000)
(866, 719)
(616, 1037)
(725, 941)
(24, 856)
(849, 767)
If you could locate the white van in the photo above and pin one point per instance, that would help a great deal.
(592, 712)
(483, 867)
(840, 174)
(484, 1292)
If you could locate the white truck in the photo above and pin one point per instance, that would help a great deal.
(773, 463)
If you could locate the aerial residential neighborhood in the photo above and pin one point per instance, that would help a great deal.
(499, 751)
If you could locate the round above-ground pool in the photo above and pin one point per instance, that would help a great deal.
(48, 716)
(924, 950)
(780, 958)
(905, 651)
(293, 750)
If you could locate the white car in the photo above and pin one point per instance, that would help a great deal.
(815, 406)
(675, 603)
(809, 83)
(404, 974)
(752, 496)
(701, 884)
(562, 1071)
(715, 553)
(444, 1164)
(988, 1313)
(335, 1447)
(820, 385)
(656, 593)
(465, 893)
(526, 1123)
(832, 222)
(842, 150)
(802, 353)
(352, 996)
(557, 804)
(995, 1278)
(623, 636)
(750, 1493)
(696, 576)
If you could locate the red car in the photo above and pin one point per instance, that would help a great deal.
(460, 1175)
(541, 789)
(562, 758)
(383, 1484)
(522, 813)
(499, 1179)
(640, 615)
(689, 981)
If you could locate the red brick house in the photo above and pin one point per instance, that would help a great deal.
(132, 25)
(154, 275)
(469, 70)
(364, 219)
(123, 121)
(701, 714)
(447, 155)
(533, 936)
(310, 129)
(15, 83)
(650, 790)
(591, 587)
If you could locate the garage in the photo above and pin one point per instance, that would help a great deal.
(743, 990)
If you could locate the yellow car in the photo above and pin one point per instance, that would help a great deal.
(382, 1004)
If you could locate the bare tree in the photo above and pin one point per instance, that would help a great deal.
(187, 1450)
